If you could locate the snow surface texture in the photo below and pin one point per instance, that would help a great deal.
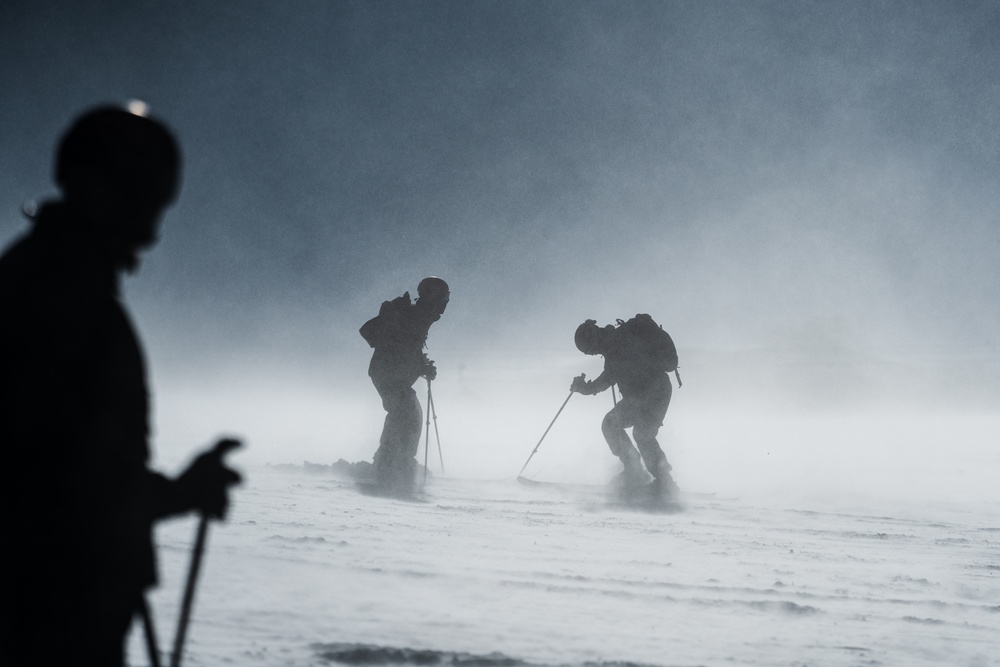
(310, 572)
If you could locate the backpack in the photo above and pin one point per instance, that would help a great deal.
(384, 328)
(649, 340)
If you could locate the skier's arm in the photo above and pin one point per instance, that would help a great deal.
(589, 387)
(601, 382)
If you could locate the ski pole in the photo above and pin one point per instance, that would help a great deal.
(430, 401)
(197, 553)
(427, 439)
(677, 374)
(546, 432)
(188, 600)
(614, 397)
(152, 646)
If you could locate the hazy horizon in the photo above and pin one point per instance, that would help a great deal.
(803, 194)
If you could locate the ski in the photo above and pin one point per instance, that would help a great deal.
(372, 488)
(592, 488)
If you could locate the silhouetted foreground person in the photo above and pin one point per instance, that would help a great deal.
(74, 403)
(398, 334)
(638, 355)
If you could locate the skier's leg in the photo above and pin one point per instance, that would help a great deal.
(410, 424)
(613, 427)
(394, 430)
(652, 455)
(395, 465)
(410, 418)
(651, 411)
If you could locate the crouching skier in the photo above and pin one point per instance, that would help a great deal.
(398, 335)
(79, 499)
(638, 355)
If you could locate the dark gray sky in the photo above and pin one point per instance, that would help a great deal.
(795, 177)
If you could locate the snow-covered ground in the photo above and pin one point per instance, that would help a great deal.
(307, 571)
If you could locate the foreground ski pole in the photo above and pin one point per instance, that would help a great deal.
(546, 432)
(182, 624)
(196, 557)
(152, 646)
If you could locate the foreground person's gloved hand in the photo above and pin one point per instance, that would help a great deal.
(204, 486)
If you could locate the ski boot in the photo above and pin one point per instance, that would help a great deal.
(663, 483)
(634, 475)
(395, 476)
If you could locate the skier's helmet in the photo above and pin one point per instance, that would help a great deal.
(587, 337)
(433, 289)
(133, 152)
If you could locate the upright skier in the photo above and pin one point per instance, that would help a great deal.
(638, 355)
(399, 334)
(79, 497)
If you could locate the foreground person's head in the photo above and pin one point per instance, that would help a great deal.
(118, 170)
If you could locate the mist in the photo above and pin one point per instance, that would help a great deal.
(803, 194)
